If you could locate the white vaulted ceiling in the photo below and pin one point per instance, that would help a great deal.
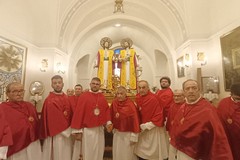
(67, 24)
(77, 26)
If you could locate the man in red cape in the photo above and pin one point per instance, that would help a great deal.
(55, 123)
(178, 100)
(5, 136)
(151, 124)
(78, 89)
(125, 121)
(91, 114)
(229, 113)
(165, 95)
(22, 119)
(197, 130)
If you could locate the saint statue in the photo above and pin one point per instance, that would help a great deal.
(128, 64)
(104, 63)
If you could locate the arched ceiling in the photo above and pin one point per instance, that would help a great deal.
(152, 25)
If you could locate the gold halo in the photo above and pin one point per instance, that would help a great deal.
(106, 39)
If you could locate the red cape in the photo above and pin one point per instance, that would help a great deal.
(201, 134)
(125, 116)
(56, 115)
(23, 131)
(173, 110)
(84, 114)
(165, 97)
(228, 109)
(5, 131)
(73, 101)
(150, 109)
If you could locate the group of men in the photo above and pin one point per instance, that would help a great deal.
(196, 129)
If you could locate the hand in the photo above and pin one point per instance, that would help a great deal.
(143, 127)
(109, 128)
(77, 136)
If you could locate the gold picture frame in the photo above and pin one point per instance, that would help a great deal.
(12, 64)
(230, 45)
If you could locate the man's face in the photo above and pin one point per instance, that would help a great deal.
(78, 90)
(95, 85)
(121, 94)
(16, 93)
(70, 92)
(164, 84)
(178, 97)
(143, 88)
(57, 85)
(191, 91)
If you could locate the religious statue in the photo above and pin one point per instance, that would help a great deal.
(118, 6)
(104, 63)
(128, 63)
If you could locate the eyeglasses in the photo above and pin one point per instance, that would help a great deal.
(17, 91)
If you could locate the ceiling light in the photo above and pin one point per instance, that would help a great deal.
(117, 25)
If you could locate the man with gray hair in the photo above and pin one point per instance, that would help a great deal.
(151, 124)
(197, 132)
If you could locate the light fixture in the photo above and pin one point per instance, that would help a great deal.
(117, 25)
(201, 57)
(44, 65)
(187, 60)
(60, 68)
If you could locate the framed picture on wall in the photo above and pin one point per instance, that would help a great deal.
(12, 64)
(230, 44)
(236, 58)
(180, 67)
(210, 84)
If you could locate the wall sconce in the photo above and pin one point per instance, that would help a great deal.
(60, 68)
(204, 62)
(202, 58)
(44, 65)
(187, 60)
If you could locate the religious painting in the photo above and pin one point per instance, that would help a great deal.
(210, 84)
(180, 67)
(12, 64)
(230, 44)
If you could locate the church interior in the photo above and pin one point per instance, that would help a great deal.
(181, 39)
